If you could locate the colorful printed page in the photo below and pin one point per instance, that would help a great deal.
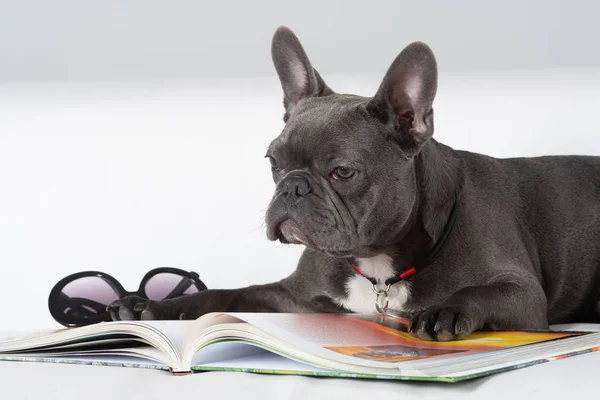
(379, 340)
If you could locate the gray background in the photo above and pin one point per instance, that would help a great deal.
(150, 39)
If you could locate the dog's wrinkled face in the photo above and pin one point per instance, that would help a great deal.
(343, 164)
(341, 186)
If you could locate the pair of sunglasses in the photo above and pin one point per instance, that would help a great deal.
(81, 299)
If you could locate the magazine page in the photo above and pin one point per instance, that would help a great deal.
(242, 356)
(380, 341)
(156, 340)
(16, 338)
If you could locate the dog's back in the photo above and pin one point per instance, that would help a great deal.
(555, 202)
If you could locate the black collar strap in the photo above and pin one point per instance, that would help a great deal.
(425, 259)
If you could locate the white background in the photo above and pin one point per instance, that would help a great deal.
(133, 136)
(123, 178)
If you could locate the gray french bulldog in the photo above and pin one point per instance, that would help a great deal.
(457, 241)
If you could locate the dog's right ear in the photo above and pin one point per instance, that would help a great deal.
(405, 98)
(298, 78)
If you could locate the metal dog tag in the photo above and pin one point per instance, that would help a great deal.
(381, 299)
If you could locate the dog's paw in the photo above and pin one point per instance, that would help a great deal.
(133, 308)
(443, 324)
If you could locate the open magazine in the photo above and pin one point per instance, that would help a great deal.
(341, 345)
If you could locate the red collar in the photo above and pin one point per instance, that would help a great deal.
(390, 281)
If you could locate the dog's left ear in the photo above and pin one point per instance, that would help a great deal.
(298, 78)
(404, 99)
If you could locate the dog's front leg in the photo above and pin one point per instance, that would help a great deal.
(281, 296)
(515, 305)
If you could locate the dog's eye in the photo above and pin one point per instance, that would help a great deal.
(342, 173)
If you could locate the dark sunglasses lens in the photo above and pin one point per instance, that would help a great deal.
(167, 285)
(84, 300)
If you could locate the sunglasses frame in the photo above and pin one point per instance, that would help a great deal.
(57, 311)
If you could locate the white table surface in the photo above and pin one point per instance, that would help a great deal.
(572, 378)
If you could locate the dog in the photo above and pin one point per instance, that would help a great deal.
(455, 241)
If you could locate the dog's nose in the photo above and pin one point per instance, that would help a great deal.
(295, 187)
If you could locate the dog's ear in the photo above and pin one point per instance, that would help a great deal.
(298, 78)
(404, 99)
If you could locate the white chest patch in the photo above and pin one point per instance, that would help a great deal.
(360, 297)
